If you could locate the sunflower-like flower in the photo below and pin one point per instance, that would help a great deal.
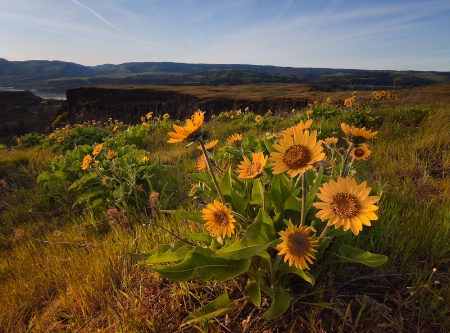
(60, 139)
(145, 159)
(346, 204)
(189, 132)
(201, 163)
(219, 221)
(298, 246)
(111, 154)
(106, 180)
(145, 125)
(347, 102)
(296, 154)
(301, 126)
(330, 140)
(234, 138)
(358, 135)
(376, 95)
(209, 145)
(361, 152)
(253, 168)
(97, 149)
(258, 118)
(86, 162)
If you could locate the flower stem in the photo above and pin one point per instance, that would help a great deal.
(263, 195)
(324, 231)
(211, 172)
(352, 145)
(304, 189)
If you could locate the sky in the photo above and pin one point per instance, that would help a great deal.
(360, 34)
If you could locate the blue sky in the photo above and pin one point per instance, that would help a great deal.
(363, 34)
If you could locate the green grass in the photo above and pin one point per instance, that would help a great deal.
(62, 270)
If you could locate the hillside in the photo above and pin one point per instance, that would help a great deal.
(59, 76)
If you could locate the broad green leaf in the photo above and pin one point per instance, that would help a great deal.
(169, 256)
(263, 217)
(193, 216)
(46, 176)
(275, 192)
(280, 303)
(225, 183)
(312, 191)
(257, 194)
(220, 306)
(203, 177)
(349, 253)
(254, 291)
(256, 239)
(93, 203)
(279, 191)
(203, 263)
(91, 192)
(199, 237)
(163, 248)
(86, 181)
(293, 202)
(239, 202)
(62, 174)
(269, 145)
(305, 275)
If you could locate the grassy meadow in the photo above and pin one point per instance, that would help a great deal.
(65, 263)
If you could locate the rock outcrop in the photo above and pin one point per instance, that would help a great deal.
(129, 103)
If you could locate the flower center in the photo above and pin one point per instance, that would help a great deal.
(345, 205)
(298, 244)
(220, 218)
(253, 168)
(359, 152)
(297, 156)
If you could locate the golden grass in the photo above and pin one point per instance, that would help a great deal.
(64, 273)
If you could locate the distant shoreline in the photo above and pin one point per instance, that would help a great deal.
(41, 94)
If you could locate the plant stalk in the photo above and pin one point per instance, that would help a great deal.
(211, 172)
(304, 189)
(344, 165)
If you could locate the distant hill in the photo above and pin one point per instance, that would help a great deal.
(59, 76)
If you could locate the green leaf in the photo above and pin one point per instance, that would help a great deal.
(280, 303)
(349, 253)
(162, 249)
(220, 306)
(203, 263)
(311, 196)
(199, 237)
(202, 177)
(279, 191)
(305, 275)
(92, 192)
(193, 216)
(257, 194)
(225, 184)
(263, 217)
(169, 256)
(86, 181)
(239, 202)
(93, 203)
(46, 176)
(257, 238)
(293, 202)
(254, 291)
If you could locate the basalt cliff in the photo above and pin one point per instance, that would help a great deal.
(130, 103)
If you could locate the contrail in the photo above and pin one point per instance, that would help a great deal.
(101, 18)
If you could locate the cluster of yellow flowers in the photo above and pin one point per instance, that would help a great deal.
(344, 203)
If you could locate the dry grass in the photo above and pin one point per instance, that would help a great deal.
(62, 272)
